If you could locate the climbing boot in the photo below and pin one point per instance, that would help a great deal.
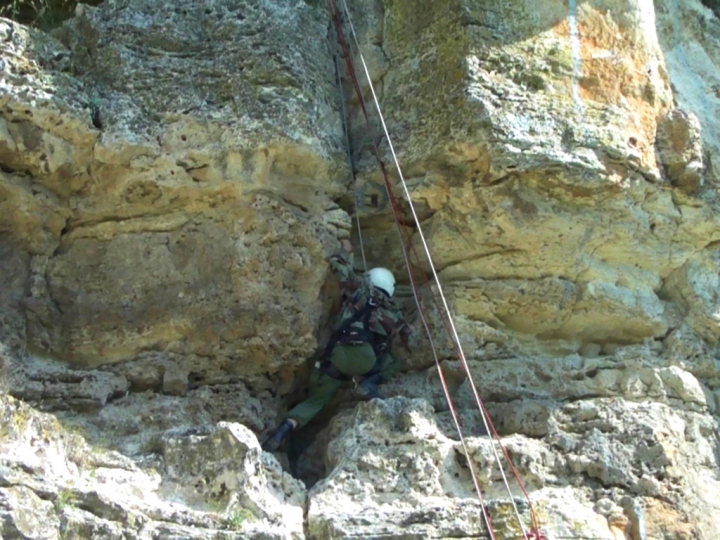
(368, 387)
(278, 436)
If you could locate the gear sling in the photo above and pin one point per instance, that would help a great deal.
(347, 334)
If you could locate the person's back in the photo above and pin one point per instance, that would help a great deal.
(376, 288)
(368, 321)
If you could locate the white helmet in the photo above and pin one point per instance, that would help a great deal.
(382, 278)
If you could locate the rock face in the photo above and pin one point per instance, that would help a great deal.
(156, 231)
(393, 473)
(53, 485)
(685, 31)
(173, 178)
(680, 150)
(550, 161)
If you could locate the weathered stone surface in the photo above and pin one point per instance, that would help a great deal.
(530, 149)
(116, 411)
(227, 468)
(164, 227)
(215, 285)
(54, 485)
(242, 69)
(680, 150)
(172, 176)
(25, 515)
(695, 288)
(685, 30)
(31, 217)
(617, 469)
(15, 269)
(529, 383)
(53, 386)
(388, 476)
(551, 309)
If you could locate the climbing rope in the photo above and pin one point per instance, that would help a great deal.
(337, 19)
(348, 146)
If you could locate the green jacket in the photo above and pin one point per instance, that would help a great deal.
(387, 319)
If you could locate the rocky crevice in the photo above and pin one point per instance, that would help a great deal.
(175, 260)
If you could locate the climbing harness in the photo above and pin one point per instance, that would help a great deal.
(350, 334)
(407, 242)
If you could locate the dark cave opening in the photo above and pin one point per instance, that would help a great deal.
(42, 14)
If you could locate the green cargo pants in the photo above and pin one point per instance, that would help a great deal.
(348, 359)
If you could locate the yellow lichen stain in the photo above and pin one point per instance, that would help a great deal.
(505, 522)
(22, 419)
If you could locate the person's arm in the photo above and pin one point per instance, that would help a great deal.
(342, 266)
(395, 323)
(404, 332)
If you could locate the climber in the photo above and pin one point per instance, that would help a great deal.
(359, 347)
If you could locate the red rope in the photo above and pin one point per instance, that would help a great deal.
(400, 217)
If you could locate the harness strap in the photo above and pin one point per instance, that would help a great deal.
(328, 369)
(347, 335)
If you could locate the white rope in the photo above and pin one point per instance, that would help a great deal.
(432, 266)
(453, 413)
(443, 382)
(346, 129)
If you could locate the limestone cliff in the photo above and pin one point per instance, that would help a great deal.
(173, 177)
